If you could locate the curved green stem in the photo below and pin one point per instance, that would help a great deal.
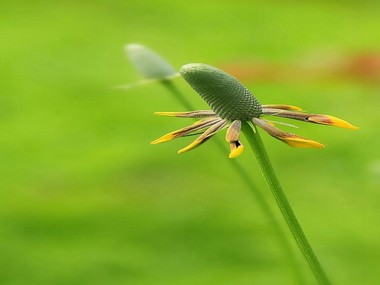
(282, 202)
(177, 94)
(247, 179)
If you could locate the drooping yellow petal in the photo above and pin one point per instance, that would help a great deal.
(192, 114)
(288, 138)
(282, 107)
(205, 136)
(331, 121)
(232, 136)
(193, 145)
(236, 149)
(296, 141)
(199, 125)
(164, 138)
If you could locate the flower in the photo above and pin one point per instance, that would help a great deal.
(151, 67)
(231, 104)
(149, 64)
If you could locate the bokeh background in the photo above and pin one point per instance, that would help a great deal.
(84, 197)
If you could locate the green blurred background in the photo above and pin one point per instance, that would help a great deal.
(84, 197)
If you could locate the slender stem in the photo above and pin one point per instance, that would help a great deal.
(282, 202)
(177, 94)
(247, 179)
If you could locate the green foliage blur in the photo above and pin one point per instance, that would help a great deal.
(84, 197)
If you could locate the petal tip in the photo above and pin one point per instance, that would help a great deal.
(296, 141)
(164, 138)
(331, 121)
(295, 108)
(236, 152)
(342, 124)
(191, 146)
(352, 127)
(157, 141)
(161, 113)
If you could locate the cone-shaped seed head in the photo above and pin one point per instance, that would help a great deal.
(226, 96)
(149, 64)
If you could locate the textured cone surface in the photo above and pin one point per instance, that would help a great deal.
(223, 93)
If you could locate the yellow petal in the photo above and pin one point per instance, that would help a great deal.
(205, 136)
(288, 138)
(331, 121)
(165, 138)
(282, 107)
(169, 114)
(236, 149)
(191, 114)
(296, 141)
(199, 125)
(191, 146)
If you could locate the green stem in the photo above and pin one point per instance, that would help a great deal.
(247, 179)
(282, 202)
(177, 94)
